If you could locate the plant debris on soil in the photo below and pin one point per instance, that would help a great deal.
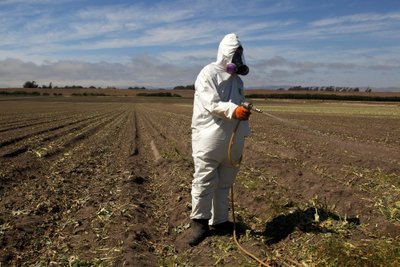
(105, 181)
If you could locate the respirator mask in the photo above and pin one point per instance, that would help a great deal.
(238, 64)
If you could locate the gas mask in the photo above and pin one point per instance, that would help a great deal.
(238, 64)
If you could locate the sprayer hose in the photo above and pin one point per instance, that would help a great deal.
(236, 165)
(261, 263)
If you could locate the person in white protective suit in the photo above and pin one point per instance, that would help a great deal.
(216, 112)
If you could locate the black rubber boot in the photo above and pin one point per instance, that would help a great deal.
(199, 232)
(223, 228)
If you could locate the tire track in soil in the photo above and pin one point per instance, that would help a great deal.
(154, 133)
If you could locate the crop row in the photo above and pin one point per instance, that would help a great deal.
(29, 122)
(72, 138)
(46, 132)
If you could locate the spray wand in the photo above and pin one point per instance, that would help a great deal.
(250, 106)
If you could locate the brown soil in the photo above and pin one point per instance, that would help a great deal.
(106, 181)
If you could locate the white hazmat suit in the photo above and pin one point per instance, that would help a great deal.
(217, 95)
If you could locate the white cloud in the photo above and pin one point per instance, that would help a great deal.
(160, 72)
(357, 18)
(95, 43)
(12, 2)
(143, 71)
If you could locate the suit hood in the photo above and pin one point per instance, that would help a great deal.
(226, 49)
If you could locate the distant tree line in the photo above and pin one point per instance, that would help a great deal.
(327, 89)
(161, 94)
(33, 84)
(88, 94)
(30, 84)
(187, 87)
(20, 93)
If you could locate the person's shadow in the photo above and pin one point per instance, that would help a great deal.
(304, 220)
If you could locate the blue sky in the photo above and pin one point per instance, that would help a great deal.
(166, 43)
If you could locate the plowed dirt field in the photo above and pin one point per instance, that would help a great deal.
(105, 181)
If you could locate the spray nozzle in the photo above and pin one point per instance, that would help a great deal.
(250, 106)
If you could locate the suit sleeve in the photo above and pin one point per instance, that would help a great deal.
(207, 93)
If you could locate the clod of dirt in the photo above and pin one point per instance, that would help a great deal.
(29, 223)
(138, 180)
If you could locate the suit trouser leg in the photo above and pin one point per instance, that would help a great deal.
(212, 181)
(220, 203)
(204, 185)
(227, 174)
